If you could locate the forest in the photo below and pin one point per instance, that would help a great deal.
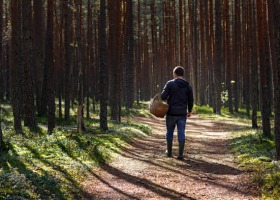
(106, 57)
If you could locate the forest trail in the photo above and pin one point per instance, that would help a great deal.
(141, 171)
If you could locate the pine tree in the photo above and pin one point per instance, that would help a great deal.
(28, 96)
(16, 67)
(103, 84)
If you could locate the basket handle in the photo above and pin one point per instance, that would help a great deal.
(157, 97)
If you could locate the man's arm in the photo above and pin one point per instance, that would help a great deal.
(165, 93)
(190, 100)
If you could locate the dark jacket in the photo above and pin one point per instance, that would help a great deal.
(179, 95)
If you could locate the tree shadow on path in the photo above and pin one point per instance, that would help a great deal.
(207, 172)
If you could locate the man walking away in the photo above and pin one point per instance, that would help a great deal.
(179, 95)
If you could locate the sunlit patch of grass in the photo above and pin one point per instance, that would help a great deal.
(254, 144)
(240, 116)
(62, 159)
(257, 154)
(36, 165)
(205, 111)
(140, 109)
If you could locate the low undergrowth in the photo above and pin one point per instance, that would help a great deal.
(36, 165)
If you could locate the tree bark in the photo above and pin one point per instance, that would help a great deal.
(104, 86)
(48, 94)
(130, 58)
(1, 77)
(228, 57)
(67, 57)
(254, 64)
(38, 45)
(90, 56)
(236, 40)
(2, 88)
(274, 8)
(202, 77)
(210, 47)
(80, 111)
(1, 137)
(16, 67)
(245, 58)
(28, 96)
(115, 58)
(265, 106)
(193, 4)
(218, 51)
(138, 68)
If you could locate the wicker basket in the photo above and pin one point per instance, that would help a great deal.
(157, 107)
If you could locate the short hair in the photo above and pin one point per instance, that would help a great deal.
(179, 71)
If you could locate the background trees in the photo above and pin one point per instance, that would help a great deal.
(107, 54)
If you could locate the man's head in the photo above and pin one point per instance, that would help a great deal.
(178, 71)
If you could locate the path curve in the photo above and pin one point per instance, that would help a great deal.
(142, 171)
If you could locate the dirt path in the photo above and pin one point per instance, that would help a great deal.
(142, 171)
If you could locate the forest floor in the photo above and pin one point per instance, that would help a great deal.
(141, 170)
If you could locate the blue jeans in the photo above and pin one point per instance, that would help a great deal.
(172, 122)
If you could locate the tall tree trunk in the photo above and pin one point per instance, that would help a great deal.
(115, 57)
(7, 62)
(193, 4)
(138, 69)
(80, 111)
(210, 47)
(58, 53)
(48, 93)
(38, 45)
(265, 106)
(253, 63)
(104, 85)
(267, 60)
(2, 88)
(181, 38)
(274, 8)
(218, 51)
(97, 64)
(16, 67)
(236, 40)
(203, 68)
(130, 58)
(1, 138)
(90, 56)
(1, 133)
(245, 58)
(67, 56)
(228, 56)
(29, 107)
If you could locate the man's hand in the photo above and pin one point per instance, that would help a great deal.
(189, 114)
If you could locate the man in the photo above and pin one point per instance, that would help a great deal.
(179, 95)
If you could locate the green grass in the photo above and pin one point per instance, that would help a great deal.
(37, 165)
(241, 116)
(257, 154)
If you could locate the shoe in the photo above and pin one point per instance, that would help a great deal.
(168, 152)
(181, 151)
